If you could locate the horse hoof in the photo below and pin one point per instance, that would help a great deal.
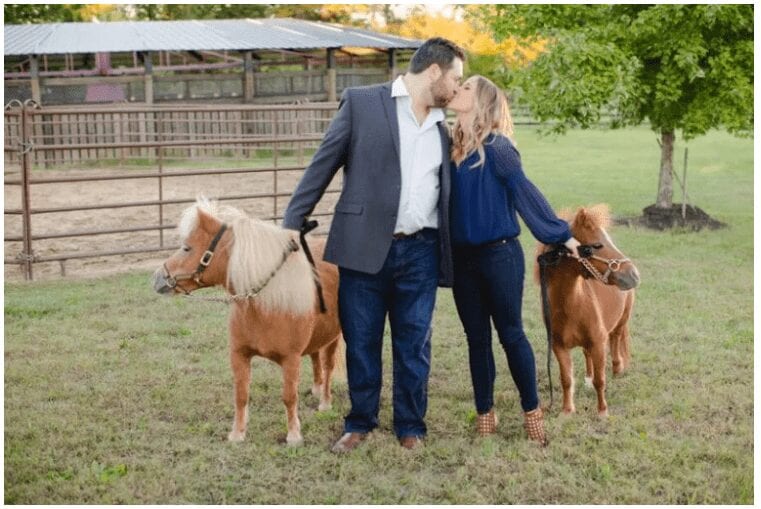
(236, 436)
(602, 414)
(317, 390)
(588, 382)
(294, 441)
(324, 406)
(567, 412)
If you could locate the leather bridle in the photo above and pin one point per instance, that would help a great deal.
(171, 281)
(613, 264)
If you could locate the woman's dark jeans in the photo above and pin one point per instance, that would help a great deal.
(488, 284)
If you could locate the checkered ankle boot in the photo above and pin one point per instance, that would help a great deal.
(486, 424)
(534, 424)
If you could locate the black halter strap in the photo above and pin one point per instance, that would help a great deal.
(209, 254)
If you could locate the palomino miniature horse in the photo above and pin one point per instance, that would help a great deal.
(274, 311)
(587, 309)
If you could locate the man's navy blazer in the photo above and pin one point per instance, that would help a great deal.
(363, 138)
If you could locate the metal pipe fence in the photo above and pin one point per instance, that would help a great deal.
(68, 172)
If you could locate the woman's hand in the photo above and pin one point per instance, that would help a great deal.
(572, 244)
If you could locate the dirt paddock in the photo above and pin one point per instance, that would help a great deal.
(43, 196)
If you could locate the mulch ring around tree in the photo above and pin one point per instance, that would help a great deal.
(657, 218)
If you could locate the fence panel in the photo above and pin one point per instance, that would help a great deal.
(110, 181)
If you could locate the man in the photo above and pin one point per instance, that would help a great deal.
(390, 231)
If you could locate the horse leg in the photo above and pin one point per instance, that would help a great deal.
(317, 373)
(589, 369)
(616, 337)
(620, 336)
(291, 366)
(598, 360)
(240, 361)
(328, 356)
(563, 355)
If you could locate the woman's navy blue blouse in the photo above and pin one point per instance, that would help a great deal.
(485, 199)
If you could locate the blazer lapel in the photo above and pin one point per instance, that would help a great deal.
(389, 107)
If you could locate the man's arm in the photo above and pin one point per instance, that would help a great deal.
(330, 156)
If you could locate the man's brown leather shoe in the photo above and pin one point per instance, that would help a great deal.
(411, 442)
(348, 441)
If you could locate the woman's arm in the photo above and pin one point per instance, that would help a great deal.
(528, 200)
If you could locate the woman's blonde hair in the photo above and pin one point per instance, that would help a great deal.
(492, 115)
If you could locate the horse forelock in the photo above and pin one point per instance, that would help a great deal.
(591, 218)
(258, 249)
(189, 219)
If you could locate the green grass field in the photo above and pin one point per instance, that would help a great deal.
(116, 395)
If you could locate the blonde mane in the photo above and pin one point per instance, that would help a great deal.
(257, 250)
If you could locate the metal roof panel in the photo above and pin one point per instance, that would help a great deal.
(199, 35)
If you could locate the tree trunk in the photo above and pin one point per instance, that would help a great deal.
(665, 183)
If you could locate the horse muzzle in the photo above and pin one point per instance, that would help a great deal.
(627, 278)
(161, 282)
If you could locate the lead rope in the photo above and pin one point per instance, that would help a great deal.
(548, 259)
(307, 227)
(292, 248)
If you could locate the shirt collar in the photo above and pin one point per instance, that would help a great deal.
(399, 89)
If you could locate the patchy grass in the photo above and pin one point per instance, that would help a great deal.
(116, 395)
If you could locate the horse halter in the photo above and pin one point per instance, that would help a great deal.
(613, 264)
(171, 281)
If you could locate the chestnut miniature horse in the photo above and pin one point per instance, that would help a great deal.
(274, 311)
(590, 302)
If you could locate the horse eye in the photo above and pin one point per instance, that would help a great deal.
(186, 249)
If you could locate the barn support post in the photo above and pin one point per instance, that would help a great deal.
(34, 74)
(148, 65)
(330, 82)
(392, 64)
(249, 87)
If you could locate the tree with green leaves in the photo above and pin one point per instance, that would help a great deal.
(199, 11)
(685, 68)
(17, 14)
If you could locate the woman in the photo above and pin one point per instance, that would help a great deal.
(488, 187)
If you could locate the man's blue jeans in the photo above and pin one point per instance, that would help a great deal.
(405, 289)
(488, 286)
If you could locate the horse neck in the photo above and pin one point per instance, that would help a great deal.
(565, 282)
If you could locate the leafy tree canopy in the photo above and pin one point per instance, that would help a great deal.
(686, 67)
(41, 13)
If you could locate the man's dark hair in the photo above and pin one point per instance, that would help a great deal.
(435, 51)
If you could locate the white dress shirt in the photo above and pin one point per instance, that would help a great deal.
(420, 159)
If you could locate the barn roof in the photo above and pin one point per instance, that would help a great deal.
(193, 35)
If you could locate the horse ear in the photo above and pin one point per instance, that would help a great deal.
(207, 222)
(580, 219)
